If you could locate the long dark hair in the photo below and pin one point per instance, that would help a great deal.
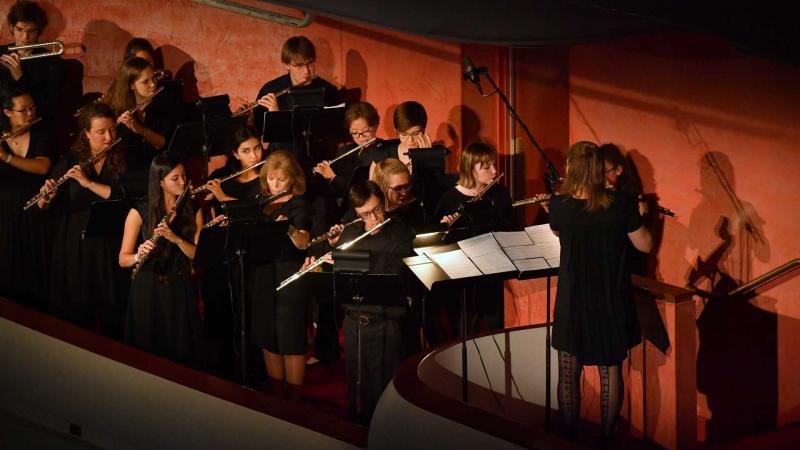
(116, 159)
(183, 224)
(237, 136)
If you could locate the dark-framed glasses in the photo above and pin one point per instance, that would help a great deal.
(374, 211)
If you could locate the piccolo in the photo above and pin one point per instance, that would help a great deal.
(457, 214)
(349, 152)
(155, 237)
(229, 177)
(319, 261)
(536, 199)
(21, 130)
(287, 90)
(332, 234)
(85, 165)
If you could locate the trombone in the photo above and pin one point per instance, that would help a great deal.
(55, 48)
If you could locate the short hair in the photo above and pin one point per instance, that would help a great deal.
(297, 46)
(385, 169)
(27, 11)
(137, 45)
(284, 161)
(7, 100)
(361, 110)
(410, 114)
(361, 192)
(474, 153)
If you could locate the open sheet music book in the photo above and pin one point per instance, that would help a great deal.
(535, 248)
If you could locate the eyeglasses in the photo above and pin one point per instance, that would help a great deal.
(374, 211)
(302, 65)
(26, 110)
(403, 188)
(404, 135)
(367, 132)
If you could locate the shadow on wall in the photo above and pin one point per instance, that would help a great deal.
(104, 42)
(183, 66)
(737, 360)
(355, 78)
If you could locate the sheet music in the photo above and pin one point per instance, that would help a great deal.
(512, 238)
(542, 234)
(486, 253)
(455, 264)
(524, 265)
(522, 252)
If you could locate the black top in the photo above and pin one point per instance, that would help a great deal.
(160, 118)
(168, 257)
(492, 212)
(594, 317)
(297, 211)
(72, 196)
(332, 96)
(235, 188)
(346, 167)
(388, 248)
(43, 77)
(40, 144)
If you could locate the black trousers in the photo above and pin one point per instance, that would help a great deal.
(382, 351)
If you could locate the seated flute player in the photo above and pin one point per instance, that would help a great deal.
(384, 329)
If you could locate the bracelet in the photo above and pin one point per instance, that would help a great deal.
(145, 132)
(136, 257)
(8, 158)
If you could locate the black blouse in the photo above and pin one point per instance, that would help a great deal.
(42, 77)
(40, 144)
(297, 211)
(492, 212)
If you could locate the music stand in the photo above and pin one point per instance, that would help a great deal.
(246, 240)
(106, 219)
(428, 165)
(207, 132)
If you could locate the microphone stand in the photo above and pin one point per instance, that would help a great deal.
(552, 177)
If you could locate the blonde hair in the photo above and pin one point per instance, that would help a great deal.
(586, 175)
(384, 171)
(285, 162)
(474, 153)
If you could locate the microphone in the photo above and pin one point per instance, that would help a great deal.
(472, 74)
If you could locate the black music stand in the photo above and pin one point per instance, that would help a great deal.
(429, 179)
(106, 219)
(206, 134)
(350, 284)
(247, 239)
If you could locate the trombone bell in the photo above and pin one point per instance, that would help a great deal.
(54, 48)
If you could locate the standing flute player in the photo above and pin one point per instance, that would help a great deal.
(595, 319)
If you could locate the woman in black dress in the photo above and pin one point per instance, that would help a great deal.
(85, 283)
(279, 319)
(145, 132)
(245, 151)
(162, 312)
(594, 320)
(493, 212)
(24, 161)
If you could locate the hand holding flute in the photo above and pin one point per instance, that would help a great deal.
(324, 167)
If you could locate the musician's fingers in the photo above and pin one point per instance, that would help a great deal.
(280, 218)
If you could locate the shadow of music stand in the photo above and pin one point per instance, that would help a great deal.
(428, 165)
(207, 132)
(350, 284)
(431, 275)
(106, 219)
(247, 240)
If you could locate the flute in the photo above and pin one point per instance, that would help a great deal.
(349, 152)
(21, 130)
(229, 177)
(146, 101)
(319, 261)
(222, 219)
(535, 199)
(155, 237)
(332, 234)
(287, 90)
(457, 214)
(85, 165)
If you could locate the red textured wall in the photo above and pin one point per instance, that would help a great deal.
(218, 52)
